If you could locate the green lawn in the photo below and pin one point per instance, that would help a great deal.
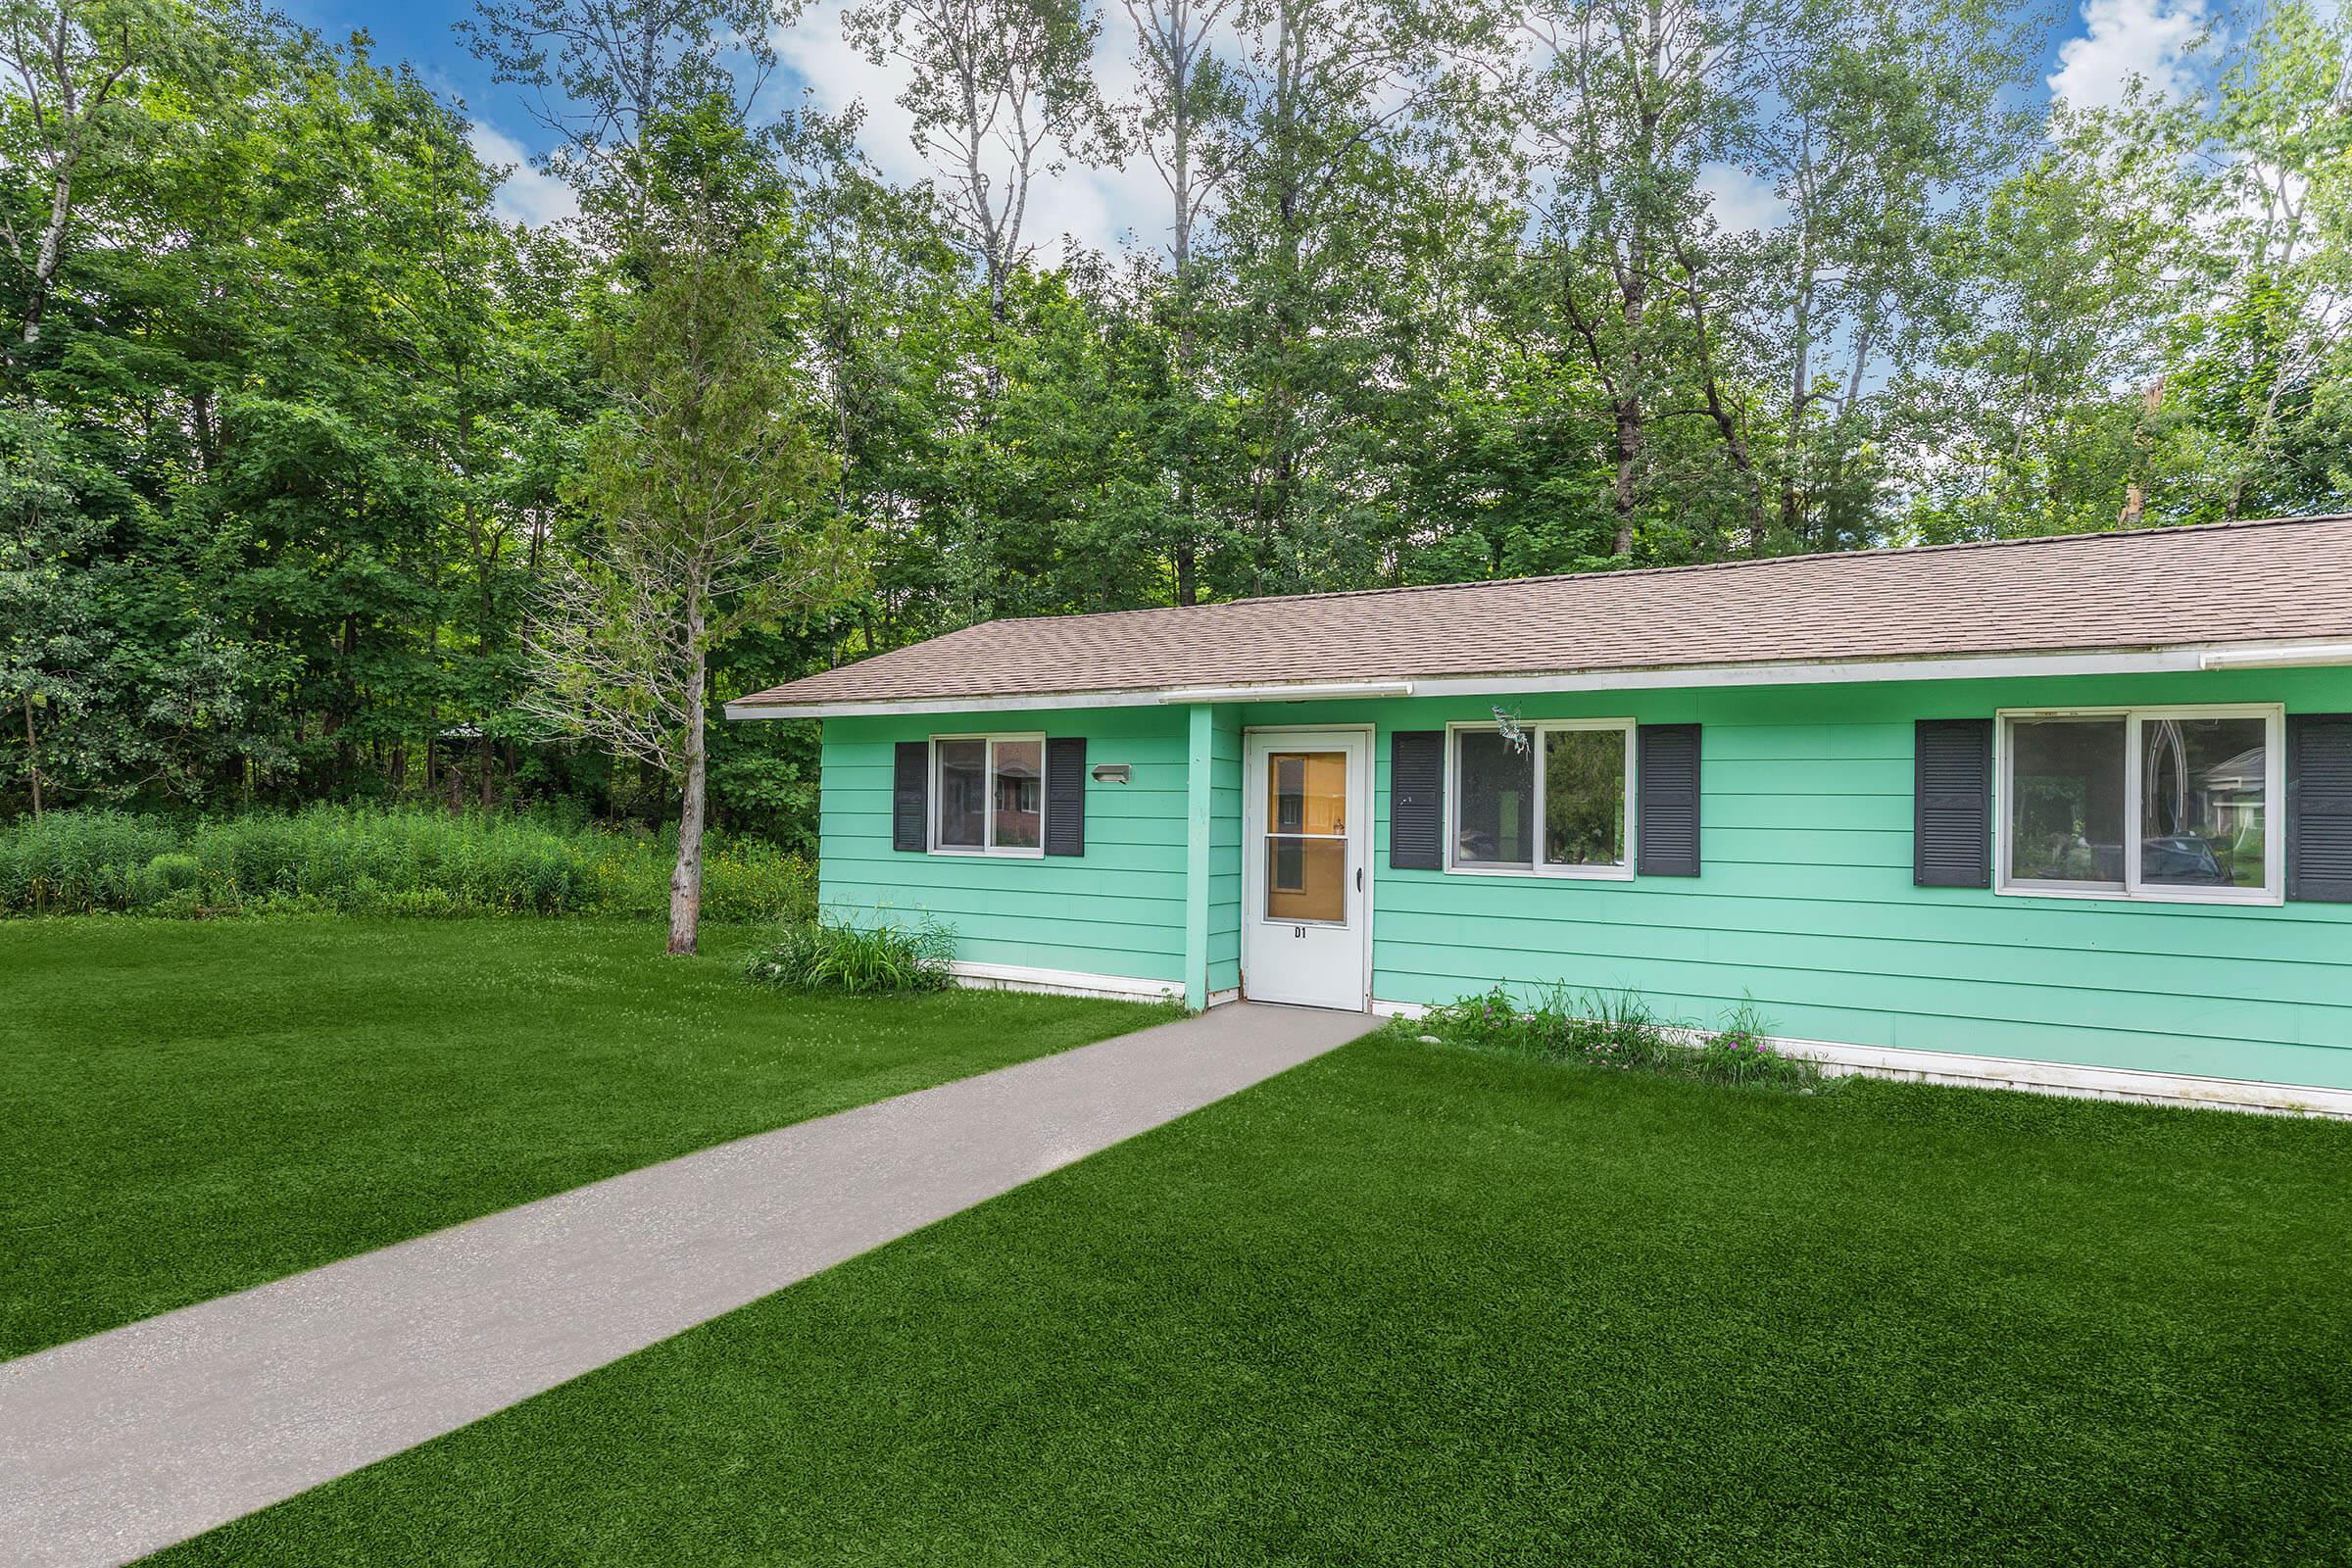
(1408, 1306)
(193, 1108)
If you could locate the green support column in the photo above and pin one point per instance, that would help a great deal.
(1198, 809)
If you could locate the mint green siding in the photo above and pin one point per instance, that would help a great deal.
(1805, 907)
(1225, 852)
(1117, 909)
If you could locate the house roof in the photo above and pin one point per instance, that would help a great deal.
(2278, 581)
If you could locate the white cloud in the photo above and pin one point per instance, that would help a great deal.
(2126, 38)
(527, 195)
(1741, 202)
(1099, 207)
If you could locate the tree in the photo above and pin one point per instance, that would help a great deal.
(73, 70)
(707, 495)
(45, 610)
(604, 73)
(1001, 91)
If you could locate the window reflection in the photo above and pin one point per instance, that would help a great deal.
(2202, 816)
(1020, 794)
(1583, 797)
(962, 794)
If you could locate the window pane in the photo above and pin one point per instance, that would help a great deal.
(1494, 798)
(2066, 807)
(1583, 797)
(1306, 879)
(2202, 812)
(1309, 792)
(1020, 794)
(963, 793)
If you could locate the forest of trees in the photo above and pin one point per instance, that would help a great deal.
(314, 474)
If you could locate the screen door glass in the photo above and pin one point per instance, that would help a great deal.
(1306, 836)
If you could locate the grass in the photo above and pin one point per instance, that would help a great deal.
(1406, 1305)
(193, 1108)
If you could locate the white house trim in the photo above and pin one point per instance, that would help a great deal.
(1066, 982)
(2109, 661)
(1301, 692)
(2290, 655)
(1837, 1058)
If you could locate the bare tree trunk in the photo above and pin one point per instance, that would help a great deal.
(33, 759)
(686, 878)
(1629, 460)
(2136, 493)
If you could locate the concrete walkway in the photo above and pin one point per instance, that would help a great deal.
(123, 1443)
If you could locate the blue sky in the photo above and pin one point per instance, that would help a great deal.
(2098, 45)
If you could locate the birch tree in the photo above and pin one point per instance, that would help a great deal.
(1001, 91)
(70, 71)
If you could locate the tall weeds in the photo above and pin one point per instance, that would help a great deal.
(347, 860)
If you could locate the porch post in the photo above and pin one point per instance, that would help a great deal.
(1198, 808)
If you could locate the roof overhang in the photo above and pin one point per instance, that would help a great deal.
(2175, 658)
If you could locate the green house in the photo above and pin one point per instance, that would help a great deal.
(2070, 813)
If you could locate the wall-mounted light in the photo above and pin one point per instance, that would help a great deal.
(1112, 772)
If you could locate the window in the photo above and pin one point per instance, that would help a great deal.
(1555, 801)
(2165, 803)
(991, 794)
(1306, 836)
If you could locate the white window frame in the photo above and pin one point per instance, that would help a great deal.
(2274, 798)
(988, 816)
(1538, 730)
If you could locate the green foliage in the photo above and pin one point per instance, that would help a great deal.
(855, 960)
(372, 862)
(297, 436)
(1614, 1029)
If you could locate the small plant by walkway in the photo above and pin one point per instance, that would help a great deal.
(856, 961)
(1615, 1030)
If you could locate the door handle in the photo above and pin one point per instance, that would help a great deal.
(1359, 879)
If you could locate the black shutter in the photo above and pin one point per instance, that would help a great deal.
(1065, 796)
(1417, 800)
(2319, 807)
(911, 798)
(1951, 803)
(1666, 799)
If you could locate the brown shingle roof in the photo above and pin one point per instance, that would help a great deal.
(2284, 579)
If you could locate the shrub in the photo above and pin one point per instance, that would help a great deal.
(859, 960)
(1615, 1030)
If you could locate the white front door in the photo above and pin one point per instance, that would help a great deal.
(1305, 895)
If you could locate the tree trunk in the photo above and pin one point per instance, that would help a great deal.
(2136, 493)
(33, 759)
(1628, 458)
(686, 878)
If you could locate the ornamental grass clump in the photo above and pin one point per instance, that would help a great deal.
(855, 960)
(1615, 1031)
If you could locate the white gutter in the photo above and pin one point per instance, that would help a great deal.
(1274, 692)
(2293, 655)
(2175, 658)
